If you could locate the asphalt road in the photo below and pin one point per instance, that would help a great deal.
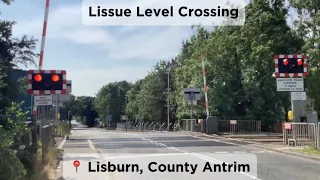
(163, 145)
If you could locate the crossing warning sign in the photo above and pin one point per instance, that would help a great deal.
(43, 100)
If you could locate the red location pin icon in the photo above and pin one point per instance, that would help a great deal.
(76, 164)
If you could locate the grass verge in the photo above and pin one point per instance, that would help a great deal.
(46, 171)
(63, 130)
(309, 151)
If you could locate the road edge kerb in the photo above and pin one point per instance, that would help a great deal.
(288, 152)
(62, 142)
(58, 169)
(261, 146)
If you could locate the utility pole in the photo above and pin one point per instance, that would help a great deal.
(168, 103)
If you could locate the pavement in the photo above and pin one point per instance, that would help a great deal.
(94, 144)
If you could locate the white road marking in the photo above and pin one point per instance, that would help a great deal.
(239, 152)
(146, 155)
(258, 152)
(212, 140)
(62, 143)
(91, 145)
(251, 147)
(200, 156)
(99, 154)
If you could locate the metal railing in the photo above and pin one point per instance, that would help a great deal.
(141, 126)
(224, 126)
(301, 134)
(44, 128)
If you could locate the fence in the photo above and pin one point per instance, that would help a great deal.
(301, 134)
(138, 126)
(44, 128)
(224, 126)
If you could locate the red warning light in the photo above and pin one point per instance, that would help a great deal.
(55, 78)
(285, 61)
(38, 77)
(300, 62)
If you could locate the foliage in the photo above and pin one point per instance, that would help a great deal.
(13, 51)
(11, 147)
(239, 69)
(111, 100)
(80, 107)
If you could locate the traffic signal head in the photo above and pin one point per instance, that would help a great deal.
(290, 65)
(47, 82)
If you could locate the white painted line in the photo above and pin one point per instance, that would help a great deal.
(212, 139)
(210, 159)
(239, 152)
(213, 160)
(146, 155)
(258, 152)
(62, 143)
(91, 145)
(251, 147)
(222, 152)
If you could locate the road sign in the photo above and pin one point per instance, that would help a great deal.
(123, 117)
(292, 65)
(287, 125)
(298, 96)
(233, 121)
(69, 86)
(64, 97)
(192, 94)
(43, 100)
(108, 118)
(290, 84)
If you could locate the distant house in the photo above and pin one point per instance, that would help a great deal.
(16, 75)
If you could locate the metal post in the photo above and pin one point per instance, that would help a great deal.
(56, 111)
(168, 103)
(192, 99)
(34, 130)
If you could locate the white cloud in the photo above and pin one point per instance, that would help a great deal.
(89, 81)
(112, 45)
(65, 22)
(152, 44)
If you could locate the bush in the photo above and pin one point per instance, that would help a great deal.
(11, 166)
(19, 160)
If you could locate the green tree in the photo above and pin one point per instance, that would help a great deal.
(307, 27)
(13, 51)
(111, 100)
(85, 109)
